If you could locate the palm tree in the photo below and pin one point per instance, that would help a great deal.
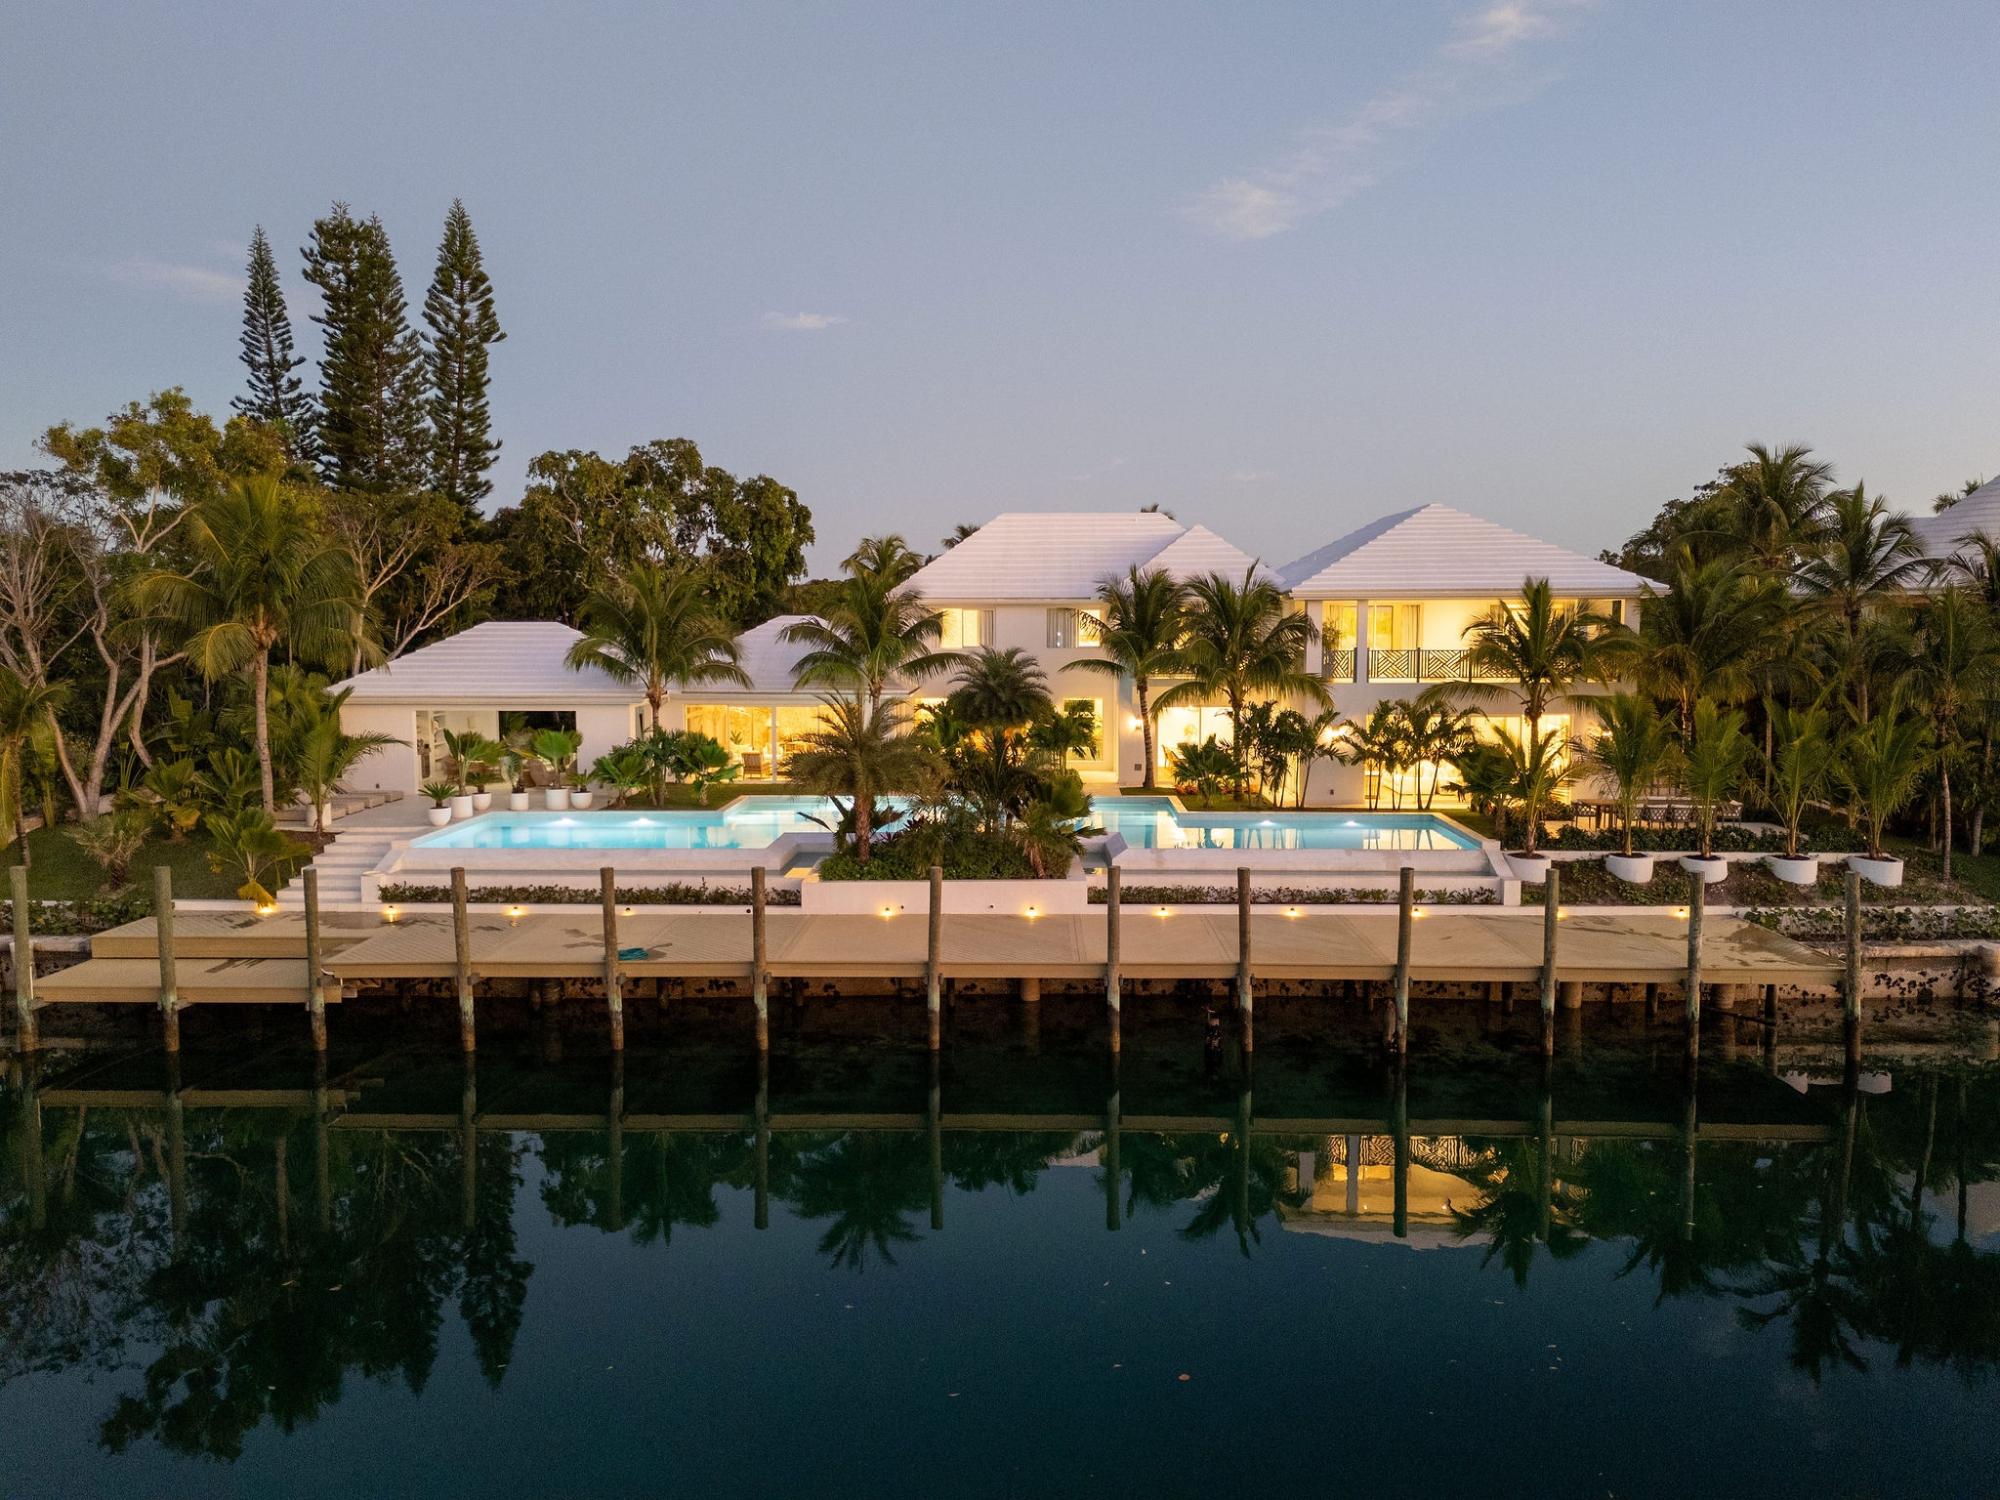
(860, 756)
(1000, 694)
(1065, 731)
(1881, 763)
(1954, 661)
(650, 625)
(874, 631)
(1701, 636)
(1437, 732)
(1713, 763)
(1869, 557)
(1240, 638)
(260, 574)
(325, 754)
(1777, 501)
(1540, 647)
(26, 708)
(1632, 746)
(1140, 619)
(1801, 765)
(1375, 744)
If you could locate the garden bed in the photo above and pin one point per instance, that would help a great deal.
(672, 893)
(1284, 895)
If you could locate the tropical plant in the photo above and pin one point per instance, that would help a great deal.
(1801, 765)
(26, 707)
(1201, 769)
(1140, 620)
(1869, 558)
(230, 781)
(472, 755)
(1000, 695)
(440, 792)
(1536, 770)
(326, 755)
(874, 631)
(172, 788)
(1434, 731)
(625, 770)
(1953, 663)
(1379, 745)
(113, 842)
(1543, 648)
(259, 574)
(1065, 730)
(707, 764)
(1282, 742)
(248, 843)
(1240, 639)
(650, 625)
(1712, 764)
(1775, 505)
(1881, 763)
(1048, 829)
(1632, 746)
(856, 757)
(1702, 634)
(556, 749)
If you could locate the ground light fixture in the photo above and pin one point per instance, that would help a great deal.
(391, 913)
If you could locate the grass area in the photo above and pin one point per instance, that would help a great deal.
(59, 871)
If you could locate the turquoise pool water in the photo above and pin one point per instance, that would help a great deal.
(756, 822)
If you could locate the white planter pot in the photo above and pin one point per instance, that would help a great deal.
(461, 807)
(556, 799)
(580, 798)
(1801, 871)
(1885, 872)
(519, 801)
(1710, 870)
(1634, 869)
(439, 816)
(481, 801)
(1530, 869)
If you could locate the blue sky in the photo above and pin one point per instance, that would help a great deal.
(1280, 268)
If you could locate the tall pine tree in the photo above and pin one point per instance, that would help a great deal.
(276, 396)
(459, 310)
(371, 431)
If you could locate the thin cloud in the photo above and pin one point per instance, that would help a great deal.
(191, 283)
(1472, 70)
(802, 322)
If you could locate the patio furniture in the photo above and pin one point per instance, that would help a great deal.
(753, 763)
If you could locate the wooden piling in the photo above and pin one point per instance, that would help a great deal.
(934, 960)
(1850, 989)
(760, 974)
(614, 997)
(26, 1035)
(1245, 998)
(315, 970)
(1113, 1000)
(1406, 911)
(1697, 904)
(163, 924)
(461, 943)
(1551, 919)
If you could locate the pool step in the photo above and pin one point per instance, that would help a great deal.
(341, 865)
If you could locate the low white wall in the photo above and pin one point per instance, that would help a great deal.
(1002, 897)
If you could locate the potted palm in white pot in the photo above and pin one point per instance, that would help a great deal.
(514, 762)
(440, 793)
(555, 748)
(460, 745)
(1633, 745)
(1800, 767)
(1880, 765)
(1711, 766)
(1535, 770)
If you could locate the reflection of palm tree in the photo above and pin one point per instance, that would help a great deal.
(1520, 1206)
(867, 1183)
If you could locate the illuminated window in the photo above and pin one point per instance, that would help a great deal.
(1069, 628)
(965, 629)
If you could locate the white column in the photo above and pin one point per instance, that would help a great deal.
(1360, 640)
(1316, 647)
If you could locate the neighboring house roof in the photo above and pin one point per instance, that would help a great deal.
(503, 663)
(1939, 534)
(1052, 555)
(1437, 552)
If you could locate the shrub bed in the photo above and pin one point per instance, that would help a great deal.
(1830, 838)
(968, 855)
(674, 893)
(80, 918)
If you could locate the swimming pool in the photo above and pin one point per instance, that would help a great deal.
(758, 822)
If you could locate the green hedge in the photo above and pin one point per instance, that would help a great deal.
(966, 855)
(674, 893)
(1282, 895)
(80, 918)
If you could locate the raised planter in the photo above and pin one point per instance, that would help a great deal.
(1803, 870)
(439, 816)
(1529, 869)
(1634, 869)
(1713, 869)
(556, 799)
(1883, 872)
(520, 801)
(461, 806)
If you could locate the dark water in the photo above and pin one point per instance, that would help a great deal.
(859, 1274)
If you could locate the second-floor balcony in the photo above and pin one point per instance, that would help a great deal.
(1407, 664)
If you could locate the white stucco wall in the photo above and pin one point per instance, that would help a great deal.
(393, 768)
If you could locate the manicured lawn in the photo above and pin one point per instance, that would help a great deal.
(59, 871)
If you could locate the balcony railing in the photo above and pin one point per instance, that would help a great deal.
(1404, 664)
(1339, 666)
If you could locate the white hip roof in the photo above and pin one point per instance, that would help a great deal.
(501, 664)
(1436, 552)
(1940, 535)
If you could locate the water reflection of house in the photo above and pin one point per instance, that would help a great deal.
(1347, 1189)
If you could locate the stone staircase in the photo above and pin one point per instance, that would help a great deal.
(342, 863)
